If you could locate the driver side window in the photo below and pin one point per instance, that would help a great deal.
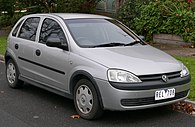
(51, 30)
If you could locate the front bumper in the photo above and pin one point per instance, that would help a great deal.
(118, 99)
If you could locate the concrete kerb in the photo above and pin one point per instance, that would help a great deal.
(2, 58)
(189, 101)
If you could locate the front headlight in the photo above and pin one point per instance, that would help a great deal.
(185, 71)
(115, 75)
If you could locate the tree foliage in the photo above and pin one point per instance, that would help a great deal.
(47, 6)
(7, 6)
(37, 6)
(81, 6)
(13, 8)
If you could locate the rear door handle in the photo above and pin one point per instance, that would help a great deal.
(16, 46)
(38, 52)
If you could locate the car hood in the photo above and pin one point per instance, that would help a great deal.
(140, 60)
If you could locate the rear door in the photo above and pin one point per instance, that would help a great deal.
(25, 45)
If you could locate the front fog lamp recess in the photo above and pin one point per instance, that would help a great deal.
(122, 76)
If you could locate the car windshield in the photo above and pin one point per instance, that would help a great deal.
(100, 33)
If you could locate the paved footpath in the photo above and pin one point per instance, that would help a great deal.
(34, 107)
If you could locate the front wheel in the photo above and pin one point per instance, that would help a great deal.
(12, 75)
(86, 100)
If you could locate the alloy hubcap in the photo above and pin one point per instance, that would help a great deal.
(84, 99)
(11, 73)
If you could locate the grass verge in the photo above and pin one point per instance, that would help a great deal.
(190, 63)
(3, 43)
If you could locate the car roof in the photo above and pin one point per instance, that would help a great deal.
(72, 15)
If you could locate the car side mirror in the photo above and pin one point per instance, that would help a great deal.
(142, 37)
(56, 42)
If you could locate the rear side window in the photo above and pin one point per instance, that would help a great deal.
(16, 28)
(29, 28)
(51, 29)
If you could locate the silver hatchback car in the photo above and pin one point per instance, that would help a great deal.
(95, 60)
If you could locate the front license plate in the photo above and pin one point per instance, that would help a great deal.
(164, 94)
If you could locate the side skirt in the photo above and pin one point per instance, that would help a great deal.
(45, 87)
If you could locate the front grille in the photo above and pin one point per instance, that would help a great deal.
(158, 77)
(150, 100)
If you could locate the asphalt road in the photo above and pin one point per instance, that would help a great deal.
(35, 107)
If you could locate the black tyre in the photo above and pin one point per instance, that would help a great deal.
(12, 75)
(86, 100)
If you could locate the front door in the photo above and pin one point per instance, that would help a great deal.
(53, 63)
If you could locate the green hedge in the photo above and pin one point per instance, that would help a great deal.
(130, 10)
(164, 16)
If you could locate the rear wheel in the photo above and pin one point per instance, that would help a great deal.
(12, 75)
(86, 100)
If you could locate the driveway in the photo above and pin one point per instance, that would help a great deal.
(34, 107)
(175, 49)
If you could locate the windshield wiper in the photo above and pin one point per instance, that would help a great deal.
(112, 44)
(132, 43)
(109, 45)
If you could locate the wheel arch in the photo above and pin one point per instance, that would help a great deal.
(80, 75)
(8, 56)
(17, 82)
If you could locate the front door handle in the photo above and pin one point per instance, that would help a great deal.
(38, 52)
